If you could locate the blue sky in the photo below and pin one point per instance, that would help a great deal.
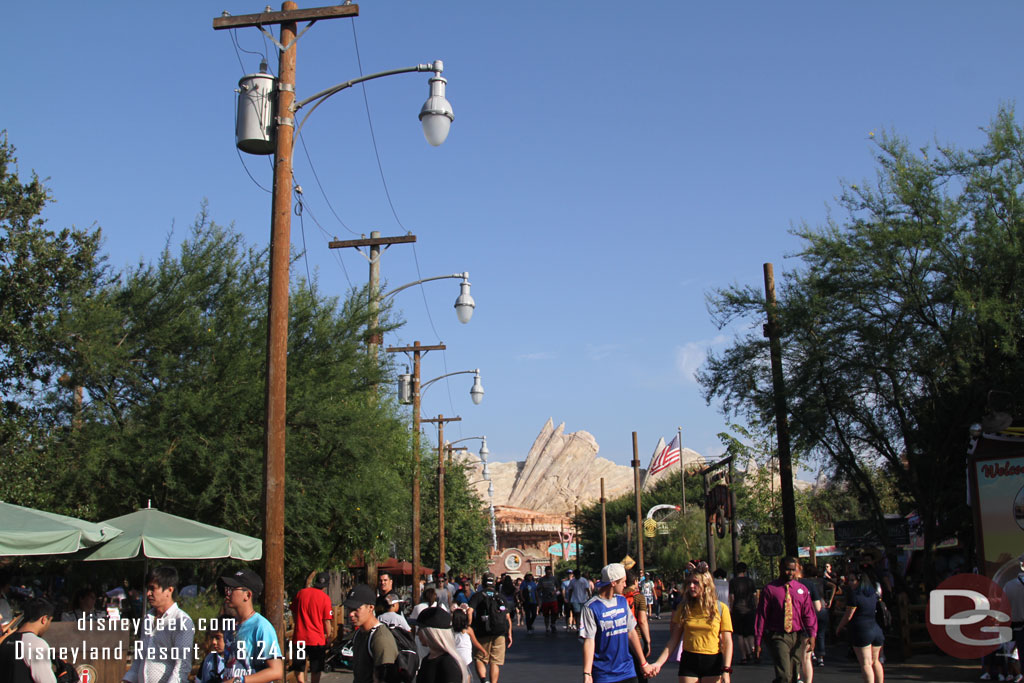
(609, 164)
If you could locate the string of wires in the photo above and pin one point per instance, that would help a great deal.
(394, 212)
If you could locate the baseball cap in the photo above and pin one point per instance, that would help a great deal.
(321, 580)
(393, 598)
(243, 578)
(360, 595)
(434, 617)
(487, 580)
(611, 573)
(569, 571)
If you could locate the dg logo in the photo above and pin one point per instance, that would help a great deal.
(968, 616)
(86, 674)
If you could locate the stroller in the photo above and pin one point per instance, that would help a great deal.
(339, 656)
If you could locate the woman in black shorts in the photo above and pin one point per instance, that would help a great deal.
(705, 627)
(866, 637)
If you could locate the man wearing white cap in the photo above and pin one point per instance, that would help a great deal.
(608, 630)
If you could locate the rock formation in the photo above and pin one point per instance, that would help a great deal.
(563, 470)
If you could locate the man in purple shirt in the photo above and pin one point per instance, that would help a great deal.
(786, 620)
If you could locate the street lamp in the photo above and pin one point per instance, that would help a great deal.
(410, 387)
(464, 304)
(274, 127)
(476, 392)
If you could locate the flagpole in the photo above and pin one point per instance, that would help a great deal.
(682, 471)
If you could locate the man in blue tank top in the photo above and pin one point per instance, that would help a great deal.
(608, 630)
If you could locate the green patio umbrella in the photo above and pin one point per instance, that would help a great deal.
(150, 533)
(25, 531)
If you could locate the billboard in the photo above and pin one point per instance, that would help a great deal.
(997, 495)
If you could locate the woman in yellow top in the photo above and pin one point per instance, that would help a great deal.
(705, 627)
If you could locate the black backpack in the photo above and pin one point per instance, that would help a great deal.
(491, 616)
(407, 663)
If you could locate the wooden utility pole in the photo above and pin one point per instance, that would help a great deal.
(771, 331)
(375, 242)
(604, 528)
(440, 420)
(639, 514)
(576, 535)
(277, 307)
(709, 536)
(732, 515)
(417, 351)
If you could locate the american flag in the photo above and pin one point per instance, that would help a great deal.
(669, 456)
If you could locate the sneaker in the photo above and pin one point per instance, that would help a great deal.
(821, 661)
(1002, 677)
(985, 677)
(1018, 678)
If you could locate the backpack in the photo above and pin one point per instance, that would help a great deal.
(883, 616)
(490, 618)
(407, 663)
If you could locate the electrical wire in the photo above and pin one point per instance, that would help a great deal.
(394, 212)
(323, 192)
(305, 251)
(327, 235)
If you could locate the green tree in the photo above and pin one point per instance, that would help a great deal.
(172, 357)
(467, 521)
(900, 320)
(44, 273)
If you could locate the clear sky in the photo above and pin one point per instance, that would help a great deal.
(609, 164)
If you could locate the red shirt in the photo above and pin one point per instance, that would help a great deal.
(310, 609)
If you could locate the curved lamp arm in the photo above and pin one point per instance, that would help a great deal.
(436, 114)
(464, 304)
(476, 392)
(484, 451)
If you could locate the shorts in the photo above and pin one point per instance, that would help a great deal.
(314, 654)
(495, 647)
(577, 607)
(743, 624)
(694, 665)
(549, 608)
(865, 633)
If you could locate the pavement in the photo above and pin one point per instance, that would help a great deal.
(539, 657)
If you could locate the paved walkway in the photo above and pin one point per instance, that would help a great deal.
(539, 657)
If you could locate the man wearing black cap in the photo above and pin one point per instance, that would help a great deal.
(314, 617)
(492, 625)
(373, 649)
(252, 653)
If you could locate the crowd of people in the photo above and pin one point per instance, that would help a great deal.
(460, 630)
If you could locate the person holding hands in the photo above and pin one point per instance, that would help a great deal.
(704, 625)
(608, 631)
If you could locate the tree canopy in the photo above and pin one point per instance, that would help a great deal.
(900, 318)
(147, 387)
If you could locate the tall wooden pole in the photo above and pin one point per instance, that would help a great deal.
(416, 558)
(732, 515)
(639, 514)
(417, 351)
(709, 536)
(576, 535)
(604, 528)
(440, 420)
(440, 494)
(771, 331)
(277, 337)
